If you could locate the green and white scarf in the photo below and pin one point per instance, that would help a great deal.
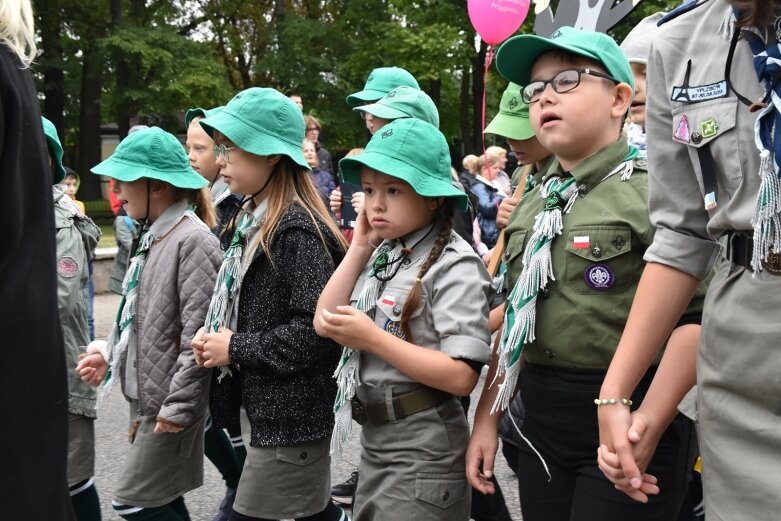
(347, 373)
(228, 283)
(520, 316)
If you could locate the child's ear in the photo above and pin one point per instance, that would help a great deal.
(157, 188)
(435, 202)
(622, 98)
(273, 160)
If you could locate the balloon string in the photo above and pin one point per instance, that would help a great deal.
(489, 58)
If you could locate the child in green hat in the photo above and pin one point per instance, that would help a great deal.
(574, 255)
(409, 303)
(165, 294)
(76, 236)
(272, 372)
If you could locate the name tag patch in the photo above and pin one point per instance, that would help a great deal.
(687, 94)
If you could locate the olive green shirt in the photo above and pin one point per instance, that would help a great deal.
(578, 323)
(536, 173)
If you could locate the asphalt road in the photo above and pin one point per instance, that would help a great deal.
(111, 444)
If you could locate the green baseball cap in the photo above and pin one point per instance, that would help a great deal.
(152, 153)
(516, 56)
(263, 122)
(404, 102)
(512, 121)
(191, 114)
(55, 149)
(381, 81)
(411, 150)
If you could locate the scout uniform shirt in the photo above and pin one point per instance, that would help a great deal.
(597, 262)
(453, 312)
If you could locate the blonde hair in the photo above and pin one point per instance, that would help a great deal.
(496, 150)
(480, 162)
(17, 29)
(290, 183)
(468, 161)
(201, 199)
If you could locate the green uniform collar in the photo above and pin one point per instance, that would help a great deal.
(593, 169)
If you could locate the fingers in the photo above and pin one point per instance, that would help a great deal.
(477, 479)
(637, 429)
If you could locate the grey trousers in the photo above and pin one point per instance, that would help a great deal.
(739, 378)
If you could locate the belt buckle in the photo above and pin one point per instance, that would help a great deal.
(359, 412)
(773, 263)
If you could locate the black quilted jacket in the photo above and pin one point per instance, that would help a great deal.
(285, 376)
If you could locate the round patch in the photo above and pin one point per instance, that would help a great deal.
(600, 277)
(394, 328)
(67, 267)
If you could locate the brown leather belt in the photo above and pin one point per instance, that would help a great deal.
(403, 405)
(740, 249)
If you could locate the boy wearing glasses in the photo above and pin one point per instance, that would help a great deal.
(574, 256)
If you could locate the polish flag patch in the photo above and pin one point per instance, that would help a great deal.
(580, 242)
(388, 300)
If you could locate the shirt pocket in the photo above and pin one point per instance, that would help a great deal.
(390, 306)
(701, 125)
(599, 260)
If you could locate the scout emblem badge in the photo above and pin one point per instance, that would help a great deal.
(682, 132)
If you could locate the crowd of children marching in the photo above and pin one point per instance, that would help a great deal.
(266, 298)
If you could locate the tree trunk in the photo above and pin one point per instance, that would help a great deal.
(435, 91)
(51, 66)
(89, 125)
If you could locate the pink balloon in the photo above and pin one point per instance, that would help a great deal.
(496, 20)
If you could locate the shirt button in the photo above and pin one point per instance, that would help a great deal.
(696, 138)
(549, 353)
(596, 252)
(445, 495)
(396, 310)
(544, 293)
(303, 455)
(583, 190)
(406, 261)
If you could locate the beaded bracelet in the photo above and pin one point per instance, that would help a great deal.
(612, 401)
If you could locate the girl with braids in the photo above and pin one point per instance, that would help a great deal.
(164, 298)
(273, 373)
(415, 330)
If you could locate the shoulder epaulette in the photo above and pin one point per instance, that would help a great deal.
(678, 11)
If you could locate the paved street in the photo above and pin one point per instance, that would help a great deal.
(111, 441)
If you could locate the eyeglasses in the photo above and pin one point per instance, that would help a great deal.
(564, 81)
(365, 115)
(222, 150)
(312, 128)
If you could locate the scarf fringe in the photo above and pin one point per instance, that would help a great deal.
(767, 213)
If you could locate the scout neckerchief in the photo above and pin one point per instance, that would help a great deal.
(767, 213)
(120, 337)
(228, 283)
(520, 316)
(635, 134)
(384, 265)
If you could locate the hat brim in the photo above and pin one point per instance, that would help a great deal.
(513, 127)
(57, 152)
(251, 138)
(515, 57)
(365, 96)
(382, 111)
(127, 172)
(191, 114)
(423, 184)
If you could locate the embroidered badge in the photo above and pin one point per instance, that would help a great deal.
(67, 267)
(394, 328)
(391, 94)
(512, 103)
(682, 133)
(619, 243)
(709, 128)
(581, 242)
(710, 201)
(688, 94)
(600, 277)
(387, 133)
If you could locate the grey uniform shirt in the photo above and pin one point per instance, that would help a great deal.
(686, 232)
(452, 317)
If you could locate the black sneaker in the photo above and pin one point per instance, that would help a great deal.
(344, 493)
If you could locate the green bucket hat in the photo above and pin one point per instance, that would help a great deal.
(263, 122)
(404, 102)
(516, 56)
(55, 149)
(380, 82)
(413, 151)
(152, 153)
(512, 121)
(191, 114)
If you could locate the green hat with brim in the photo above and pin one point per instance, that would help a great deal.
(380, 82)
(413, 151)
(263, 122)
(152, 153)
(55, 149)
(516, 56)
(191, 114)
(512, 121)
(404, 102)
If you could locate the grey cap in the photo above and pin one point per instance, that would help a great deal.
(638, 42)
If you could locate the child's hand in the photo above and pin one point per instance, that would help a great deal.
(162, 426)
(364, 234)
(197, 343)
(215, 348)
(348, 327)
(335, 201)
(357, 201)
(506, 207)
(92, 368)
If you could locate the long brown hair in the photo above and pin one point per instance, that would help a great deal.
(445, 218)
(201, 199)
(756, 13)
(290, 182)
